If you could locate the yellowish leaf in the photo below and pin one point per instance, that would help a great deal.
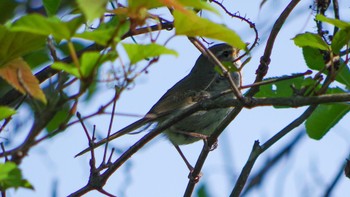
(18, 74)
(190, 24)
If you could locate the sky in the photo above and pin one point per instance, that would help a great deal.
(157, 170)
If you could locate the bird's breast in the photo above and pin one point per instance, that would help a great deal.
(201, 122)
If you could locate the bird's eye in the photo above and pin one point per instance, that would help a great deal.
(221, 77)
(226, 53)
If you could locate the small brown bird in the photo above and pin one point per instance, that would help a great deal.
(202, 81)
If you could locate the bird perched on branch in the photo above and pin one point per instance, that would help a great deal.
(204, 80)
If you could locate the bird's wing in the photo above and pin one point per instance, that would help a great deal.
(179, 96)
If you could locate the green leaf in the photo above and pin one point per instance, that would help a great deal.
(7, 8)
(17, 44)
(149, 4)
(92, 89)
(38, 24)
(190, 24)
(199, 4)
(336, 90)
(310, 40)
(203, 191)
(37, 58)
(105, 32)
(180, 4)
(313, 58)
(336, 22)
(6, 112)
(138, 52)
(69, 68)
(88, 62)
(92, 9)
(283, 88)
(60, 118)
(324, 118)
(100, 36)
(286, 88)
(11, 177)
(340, 39)
(51, 6)
(343, 75)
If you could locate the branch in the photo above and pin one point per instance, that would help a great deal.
(211, 104)
(258, 150)
(259, 176)
(254, 102)
(205, 104)
(247, 21)
(265, 59)
(297, 101)
(336, 14)
(42, 118)
(205, 151)
(97, 181)
(261, 72)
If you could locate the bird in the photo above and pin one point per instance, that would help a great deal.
(203, 81)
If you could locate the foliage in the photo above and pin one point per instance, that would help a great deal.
(11, 177)
(6, 112)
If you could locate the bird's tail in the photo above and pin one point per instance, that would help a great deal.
(119, 133)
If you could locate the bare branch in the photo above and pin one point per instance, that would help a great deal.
(258, 178)
(258, 150)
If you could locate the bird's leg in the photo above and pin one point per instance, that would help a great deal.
(189, 166)
(192, 134)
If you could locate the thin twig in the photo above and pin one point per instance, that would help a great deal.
(265, 59)
(274, 80)
(3, 150)
(251, 25)
(258, 178)
(258, 150)
(116, 95)
(336, 14)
